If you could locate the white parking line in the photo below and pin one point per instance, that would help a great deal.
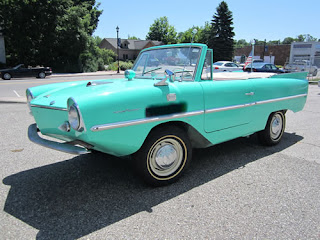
(16, 93)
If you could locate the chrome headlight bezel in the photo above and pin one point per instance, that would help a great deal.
(30, 97)
(74, 115)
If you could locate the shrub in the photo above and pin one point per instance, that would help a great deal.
(123, 66)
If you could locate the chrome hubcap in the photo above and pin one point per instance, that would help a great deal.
(6, 76)
(166, 157)
(276, 126)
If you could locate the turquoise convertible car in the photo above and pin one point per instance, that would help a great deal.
(159, 112)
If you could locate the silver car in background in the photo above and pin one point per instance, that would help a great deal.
(226, 66)
(302, 66)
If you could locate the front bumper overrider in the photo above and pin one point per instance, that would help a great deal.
(68, 147)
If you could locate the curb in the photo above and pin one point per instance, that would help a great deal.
(314, 82)
(12, 100)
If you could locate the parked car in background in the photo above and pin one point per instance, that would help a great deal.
(21, 71)
(302, 66)
(263, 67)
(226, 66)
(159, 114)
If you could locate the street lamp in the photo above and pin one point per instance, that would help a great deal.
(117, 28)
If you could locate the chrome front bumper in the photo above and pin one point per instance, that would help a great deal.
(63, 147)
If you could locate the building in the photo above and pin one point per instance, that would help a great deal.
(305, 51)
(277, 54)
(2, 50)
(128, 49)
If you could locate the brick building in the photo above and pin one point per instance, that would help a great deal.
(281, 52)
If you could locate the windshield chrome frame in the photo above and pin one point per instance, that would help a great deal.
(168, 47)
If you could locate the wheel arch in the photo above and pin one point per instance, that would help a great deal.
(196, 138)
(284, 111)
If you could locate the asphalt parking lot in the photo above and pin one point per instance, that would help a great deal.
(235, 190)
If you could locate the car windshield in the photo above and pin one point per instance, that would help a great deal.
(182, 61)
(18, 66)
(218, 63)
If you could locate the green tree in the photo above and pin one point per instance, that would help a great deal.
(288, 40)
(274, 42)
(241, 43)
(133, 38)
(186, 37)
(301, 38)
(259, 42)
(53, 33)
(221, 39)
(204, 34)
(97, 40)
(162, 31)
(310, 38)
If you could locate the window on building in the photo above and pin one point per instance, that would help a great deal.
(302, 46)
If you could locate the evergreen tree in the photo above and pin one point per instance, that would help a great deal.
(221, 37)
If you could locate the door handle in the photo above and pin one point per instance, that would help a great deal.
(250, 94)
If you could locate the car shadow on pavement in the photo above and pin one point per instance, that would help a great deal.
(73, 198)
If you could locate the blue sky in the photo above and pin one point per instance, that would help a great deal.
(270, 20)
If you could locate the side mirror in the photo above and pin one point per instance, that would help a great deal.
(169, 73)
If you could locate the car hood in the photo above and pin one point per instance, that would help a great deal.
(56, 95)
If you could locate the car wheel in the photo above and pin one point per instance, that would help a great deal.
(274, 129)
(6, 76)
(164, 156)
(41, 75)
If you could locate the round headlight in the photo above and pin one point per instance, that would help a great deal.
(74, 117)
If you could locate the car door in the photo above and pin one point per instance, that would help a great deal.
(229, 67)
(267, 68)
(235, 67)
(22, 72)
(227, 104)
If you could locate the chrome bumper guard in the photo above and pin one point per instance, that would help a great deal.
(63, 147)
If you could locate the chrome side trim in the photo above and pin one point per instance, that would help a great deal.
(281, 99)
(47, 107)
(144, 120)
(212, 110)
(187, 114)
